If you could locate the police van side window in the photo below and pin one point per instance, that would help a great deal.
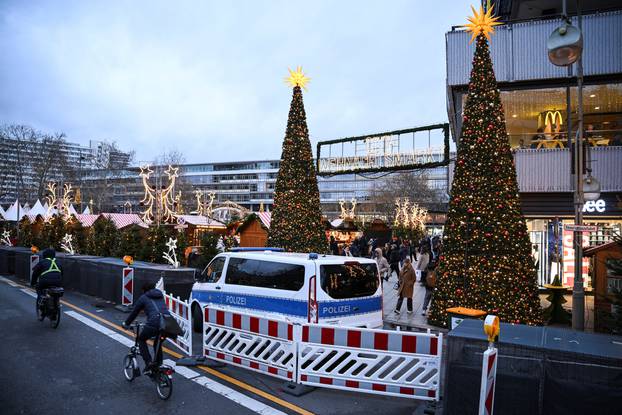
(265, 274)
(213, 271)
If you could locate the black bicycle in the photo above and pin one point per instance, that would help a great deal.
(161, 374)
(49, 305)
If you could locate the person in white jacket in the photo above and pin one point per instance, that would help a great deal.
(423, 261)
(383, 265)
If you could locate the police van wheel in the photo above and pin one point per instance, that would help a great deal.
(197, 319)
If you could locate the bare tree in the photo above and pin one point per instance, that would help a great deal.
(183, 186)
(412, 185)
(49, 161)
(108, 166)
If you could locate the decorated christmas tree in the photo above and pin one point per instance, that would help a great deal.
(130, 243)
(105, 238)
(296, 223)
(486, 261)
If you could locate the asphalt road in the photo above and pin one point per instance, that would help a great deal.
(77, 368)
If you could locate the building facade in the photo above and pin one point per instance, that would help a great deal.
(248, 183)
(27, 165)
(540, 103)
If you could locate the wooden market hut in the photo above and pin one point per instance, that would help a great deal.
(122, 220)
(254, 229)
(602, 281)
(196, 225)
(378, 229)
(344, 230)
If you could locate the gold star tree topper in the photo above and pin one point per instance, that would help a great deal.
(297, 78)
(482, 22)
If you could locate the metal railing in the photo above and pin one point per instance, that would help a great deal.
(548, 170)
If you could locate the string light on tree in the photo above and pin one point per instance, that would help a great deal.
(486, 261)
(296, 223)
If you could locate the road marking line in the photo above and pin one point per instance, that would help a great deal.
(223, 390)
(214, 386)
(29, 292)
(8, 281)
(103, 330)
(226, 378)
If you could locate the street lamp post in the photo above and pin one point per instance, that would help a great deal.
(565, 46)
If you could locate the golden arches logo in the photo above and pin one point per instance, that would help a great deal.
(552, 118)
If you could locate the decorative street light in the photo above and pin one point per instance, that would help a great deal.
(565, 46)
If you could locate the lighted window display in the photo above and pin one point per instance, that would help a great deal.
(537, 118)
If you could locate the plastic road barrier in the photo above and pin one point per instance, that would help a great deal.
(487, 390)
(180, 310)
(34, 260)
(256, 343)
(382, 362)
(489, 367)
(127, 287)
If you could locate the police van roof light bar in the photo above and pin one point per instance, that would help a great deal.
(256, 249)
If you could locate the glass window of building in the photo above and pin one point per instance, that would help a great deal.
(537, 118)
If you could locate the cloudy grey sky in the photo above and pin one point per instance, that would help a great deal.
(206, 78)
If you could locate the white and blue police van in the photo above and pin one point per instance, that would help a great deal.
(301, 288)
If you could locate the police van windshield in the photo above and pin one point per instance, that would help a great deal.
(349, 280)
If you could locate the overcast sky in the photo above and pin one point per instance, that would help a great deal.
(206, 78)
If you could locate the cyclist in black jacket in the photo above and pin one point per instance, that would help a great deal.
(152, 302)
(47, 273)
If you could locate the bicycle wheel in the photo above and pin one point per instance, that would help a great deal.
(55, 318)
(40, 313)
(129, 367)
(164, 386)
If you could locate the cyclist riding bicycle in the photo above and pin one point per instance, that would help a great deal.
(47, 273)
(152, 302)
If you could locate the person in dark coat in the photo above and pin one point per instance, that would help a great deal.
(394, 259)
(47, 273)
(404, 252)
(334, 246)
(152, 302)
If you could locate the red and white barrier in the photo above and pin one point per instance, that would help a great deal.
(256, 343)
(403, 364)
(180, 310)
(487, 389)
(127, 287)
(34, 260)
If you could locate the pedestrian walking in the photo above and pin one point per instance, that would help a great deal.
(406, 287)
(383, 265)
(423, 261)
(404, 252)
(430, 283)
(394, 259)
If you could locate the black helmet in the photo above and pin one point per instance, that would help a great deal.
(48, 253)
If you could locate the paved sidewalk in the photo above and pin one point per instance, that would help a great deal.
(416, 319)
(419, 322)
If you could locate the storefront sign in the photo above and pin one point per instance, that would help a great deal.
(568, 258)
(580, 228)
(593, 206)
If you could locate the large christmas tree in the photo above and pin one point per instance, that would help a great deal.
(296, 223)
(486, 261)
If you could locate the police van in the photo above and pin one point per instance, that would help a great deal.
(302, 288)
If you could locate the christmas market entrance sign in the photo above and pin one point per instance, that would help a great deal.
(410, 149)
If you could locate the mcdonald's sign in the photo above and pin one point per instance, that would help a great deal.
(553, 120)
